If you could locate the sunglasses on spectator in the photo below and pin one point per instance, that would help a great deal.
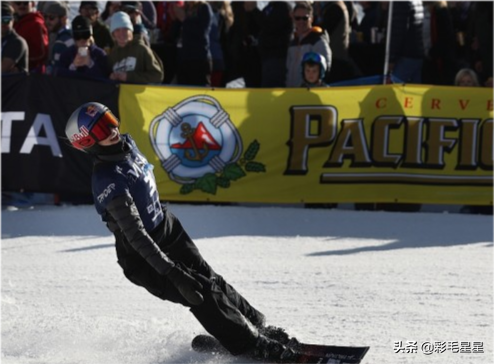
(81, 35)
(51, 17)
(304, 18)
(6, 19)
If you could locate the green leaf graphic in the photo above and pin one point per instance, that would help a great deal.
(186, 189)
(233, 172)
(252, 150)
(223, 182)
(207, 183)
(255, 167)
(210, 182)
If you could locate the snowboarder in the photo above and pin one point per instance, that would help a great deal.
(153, 248)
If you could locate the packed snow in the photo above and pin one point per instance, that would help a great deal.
(402, 283)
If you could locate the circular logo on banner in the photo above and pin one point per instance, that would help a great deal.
(199, 147)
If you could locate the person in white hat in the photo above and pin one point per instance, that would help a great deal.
(130, 59)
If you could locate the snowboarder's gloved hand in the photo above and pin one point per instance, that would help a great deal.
(187, 285)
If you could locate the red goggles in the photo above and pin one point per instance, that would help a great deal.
(101, 130)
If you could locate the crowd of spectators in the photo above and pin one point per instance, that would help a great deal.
(262, 44)
(212, 43)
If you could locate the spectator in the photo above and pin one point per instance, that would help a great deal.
(369, 21)
(14, 47)
(149, 15)
(313, 69)
(218, 38)
(165, 11)
(406, 54)
(43, 5)
(461, 14)
(56, 22)
(352, 14)
(368, 49)
(166, 36)
(440, 63)
(243, 50)
(130, 59)
(101, 33)
(134, 10)
(111, 8)
(307, 39)
(466, 77)
(30, 25)
(194, 60)
(274, 38)
(84, 58)
(481, 44)
(336, 21)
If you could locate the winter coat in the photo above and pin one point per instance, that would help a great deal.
(336, 22)
(139, 61)
(195, 34)
(276, 30)
(316, 41)
(15, 48)
(98, 69)
(62, 42)
(406, 30)
(32, 28)
(441, 60)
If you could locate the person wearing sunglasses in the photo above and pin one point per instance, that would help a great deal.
(30, 25)
(56, 23)
(84, 58)
(153, 248)
(14, 47)
(307, 38)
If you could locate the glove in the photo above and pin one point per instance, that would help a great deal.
(187, 285)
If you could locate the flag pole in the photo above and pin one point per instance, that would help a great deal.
(388, 41)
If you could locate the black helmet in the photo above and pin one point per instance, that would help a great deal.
(89, 124)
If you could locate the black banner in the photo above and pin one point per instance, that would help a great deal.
(36, 156)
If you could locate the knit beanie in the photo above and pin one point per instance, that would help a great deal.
(121, 20)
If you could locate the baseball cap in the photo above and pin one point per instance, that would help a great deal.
(81, 27)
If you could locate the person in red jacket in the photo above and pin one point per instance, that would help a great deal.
(30, 25)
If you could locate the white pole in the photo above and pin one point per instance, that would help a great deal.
(388, 41)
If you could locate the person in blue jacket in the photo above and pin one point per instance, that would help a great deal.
(153, 248)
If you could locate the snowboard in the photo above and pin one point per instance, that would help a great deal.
(307, 353)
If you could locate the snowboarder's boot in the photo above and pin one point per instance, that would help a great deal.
(276, 333)
(269, 350)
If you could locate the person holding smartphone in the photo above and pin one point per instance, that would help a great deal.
(84, 58)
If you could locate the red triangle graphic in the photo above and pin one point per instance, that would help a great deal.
(201, 137)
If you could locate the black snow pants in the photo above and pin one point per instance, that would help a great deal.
(225, 314)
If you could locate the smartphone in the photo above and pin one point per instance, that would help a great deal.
(82, 51)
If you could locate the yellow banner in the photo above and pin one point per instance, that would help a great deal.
(390, 143)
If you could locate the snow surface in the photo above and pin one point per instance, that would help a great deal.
(328, 276)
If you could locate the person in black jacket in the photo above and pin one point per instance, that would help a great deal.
(406, 53)
(274, 38)
(153, 248)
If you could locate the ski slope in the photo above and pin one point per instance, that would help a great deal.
(328, 276)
